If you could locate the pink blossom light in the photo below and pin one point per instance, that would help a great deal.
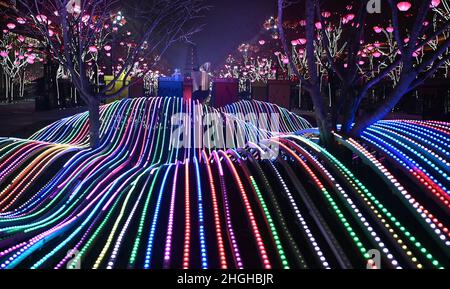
(404, 6)
(93, 49)
(85, 18)
(350, 17)
(11, 26)
(376, 54)
(435, 3)
(42, 18)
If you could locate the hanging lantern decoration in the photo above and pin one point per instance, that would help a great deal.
(107, 47)
(11, 26)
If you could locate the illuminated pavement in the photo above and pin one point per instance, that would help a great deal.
(137, 202)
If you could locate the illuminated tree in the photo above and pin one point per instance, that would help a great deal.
(78, 32)
(404, 56)
(16, 53)
(248, 69)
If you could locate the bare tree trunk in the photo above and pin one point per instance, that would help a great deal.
(349, 113)
(320, 109)
(94, 121)
(384, 108)
(322, 118)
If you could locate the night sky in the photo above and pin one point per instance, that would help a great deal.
(227, 24)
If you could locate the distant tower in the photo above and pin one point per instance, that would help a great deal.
(191, 60)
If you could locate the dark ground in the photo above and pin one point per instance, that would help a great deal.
(21, 120)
